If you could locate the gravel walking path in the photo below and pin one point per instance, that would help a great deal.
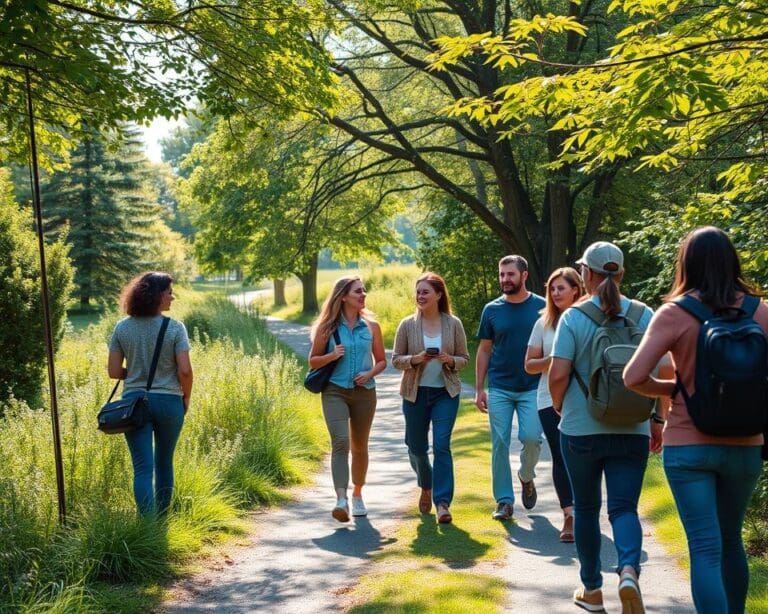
(298, 559)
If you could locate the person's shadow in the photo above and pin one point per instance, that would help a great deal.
(361, 542)
(542, 538)
(447, 542)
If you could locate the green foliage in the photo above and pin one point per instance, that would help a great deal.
(96, 63)
(250, 424)
(461, 249)
(251, 198)
(105, 206)
(22, 338)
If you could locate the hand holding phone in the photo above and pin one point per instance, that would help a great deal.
(433, 351)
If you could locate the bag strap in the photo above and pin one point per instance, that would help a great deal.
(592, 311)
(635, 311)
(156, 355)
(696, 308)
(750, 304)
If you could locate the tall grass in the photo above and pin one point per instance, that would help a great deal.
(251, 429)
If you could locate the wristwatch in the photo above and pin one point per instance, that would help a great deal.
(657, 418)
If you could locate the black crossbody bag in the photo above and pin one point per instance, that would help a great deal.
(126, 415)
(316, 380)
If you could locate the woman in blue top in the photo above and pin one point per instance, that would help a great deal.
(349, 400)
(592, 448)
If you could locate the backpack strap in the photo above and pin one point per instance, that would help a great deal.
(696, 308)
(592, 311)
(750, 304)
(635, 311)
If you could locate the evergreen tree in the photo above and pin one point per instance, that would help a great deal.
(105, 204)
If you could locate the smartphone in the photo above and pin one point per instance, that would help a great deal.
(433, 351)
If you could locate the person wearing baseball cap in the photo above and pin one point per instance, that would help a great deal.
(592, 448)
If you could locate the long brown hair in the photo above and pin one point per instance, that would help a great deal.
(438, 285)
(707, 261)
(330, 314)
(550, 313)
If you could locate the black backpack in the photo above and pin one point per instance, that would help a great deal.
(731, 397)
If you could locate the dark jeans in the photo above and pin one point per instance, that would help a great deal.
(622, 458)
(549, 422)
(712, 486)
(152, 448)
(432, 405)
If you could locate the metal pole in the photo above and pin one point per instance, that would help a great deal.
(46, 309)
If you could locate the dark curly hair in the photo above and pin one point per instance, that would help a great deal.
(142, 295)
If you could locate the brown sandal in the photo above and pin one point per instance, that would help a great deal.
(425, 501)
(566, 535)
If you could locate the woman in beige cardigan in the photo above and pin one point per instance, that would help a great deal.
(430, 348)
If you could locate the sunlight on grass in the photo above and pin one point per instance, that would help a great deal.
(428, 590)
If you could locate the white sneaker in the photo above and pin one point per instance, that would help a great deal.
(358, 507)
(341, 511)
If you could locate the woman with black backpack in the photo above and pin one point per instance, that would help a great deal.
(593, 447)
(712, 467)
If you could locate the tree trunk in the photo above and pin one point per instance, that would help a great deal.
(308, 279)
(279, 290)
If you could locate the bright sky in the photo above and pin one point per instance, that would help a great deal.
(158, 129)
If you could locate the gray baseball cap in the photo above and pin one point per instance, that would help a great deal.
(603, 257)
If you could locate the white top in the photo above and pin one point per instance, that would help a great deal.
(542, 337)
(432, 376)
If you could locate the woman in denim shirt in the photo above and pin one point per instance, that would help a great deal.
(349, 400)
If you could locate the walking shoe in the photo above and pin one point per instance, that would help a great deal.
(566, 535)
(358, 507)
(341, 511)
(443, 515)
(425, 501)
(503, 511)
(629, 593)
(529, 494)
(591, 601)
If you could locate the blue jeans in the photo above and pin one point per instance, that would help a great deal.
(712, 486)
(433, 405)
(549, 422)
(154, 459)
(622, 458)
(502, 405)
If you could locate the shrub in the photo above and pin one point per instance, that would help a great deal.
(22, 344)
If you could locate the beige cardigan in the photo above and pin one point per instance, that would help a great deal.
(409, 340)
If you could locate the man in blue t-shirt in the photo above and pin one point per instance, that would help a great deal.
(505, 327)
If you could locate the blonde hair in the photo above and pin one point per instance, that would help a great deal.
(330, 314)
(551, 314)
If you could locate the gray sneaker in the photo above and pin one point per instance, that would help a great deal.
(503, 512)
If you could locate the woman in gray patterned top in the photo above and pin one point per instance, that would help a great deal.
(133, 341)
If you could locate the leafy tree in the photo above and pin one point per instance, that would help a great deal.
(22, 339)
(108, 62)
(104, 206)
(681, 90)
(259, 199)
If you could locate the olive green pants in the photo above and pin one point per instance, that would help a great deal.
(348, 414)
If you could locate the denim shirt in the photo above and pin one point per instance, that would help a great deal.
(358, 344)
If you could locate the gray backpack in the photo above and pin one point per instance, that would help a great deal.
(613, 344)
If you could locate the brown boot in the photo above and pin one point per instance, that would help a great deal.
(425, 501)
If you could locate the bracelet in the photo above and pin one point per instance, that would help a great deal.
(657, 418)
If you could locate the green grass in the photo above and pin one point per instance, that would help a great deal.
(251, 430)
(427, 550)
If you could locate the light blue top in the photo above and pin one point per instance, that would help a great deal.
(573, 338)
(508, 326)
(432, 375)
(358, 348)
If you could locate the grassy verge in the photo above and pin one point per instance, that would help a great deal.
(437, 565)
(251, 430)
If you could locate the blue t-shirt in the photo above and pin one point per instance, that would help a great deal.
(508, 326)
(358, 345)
(573, 338)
